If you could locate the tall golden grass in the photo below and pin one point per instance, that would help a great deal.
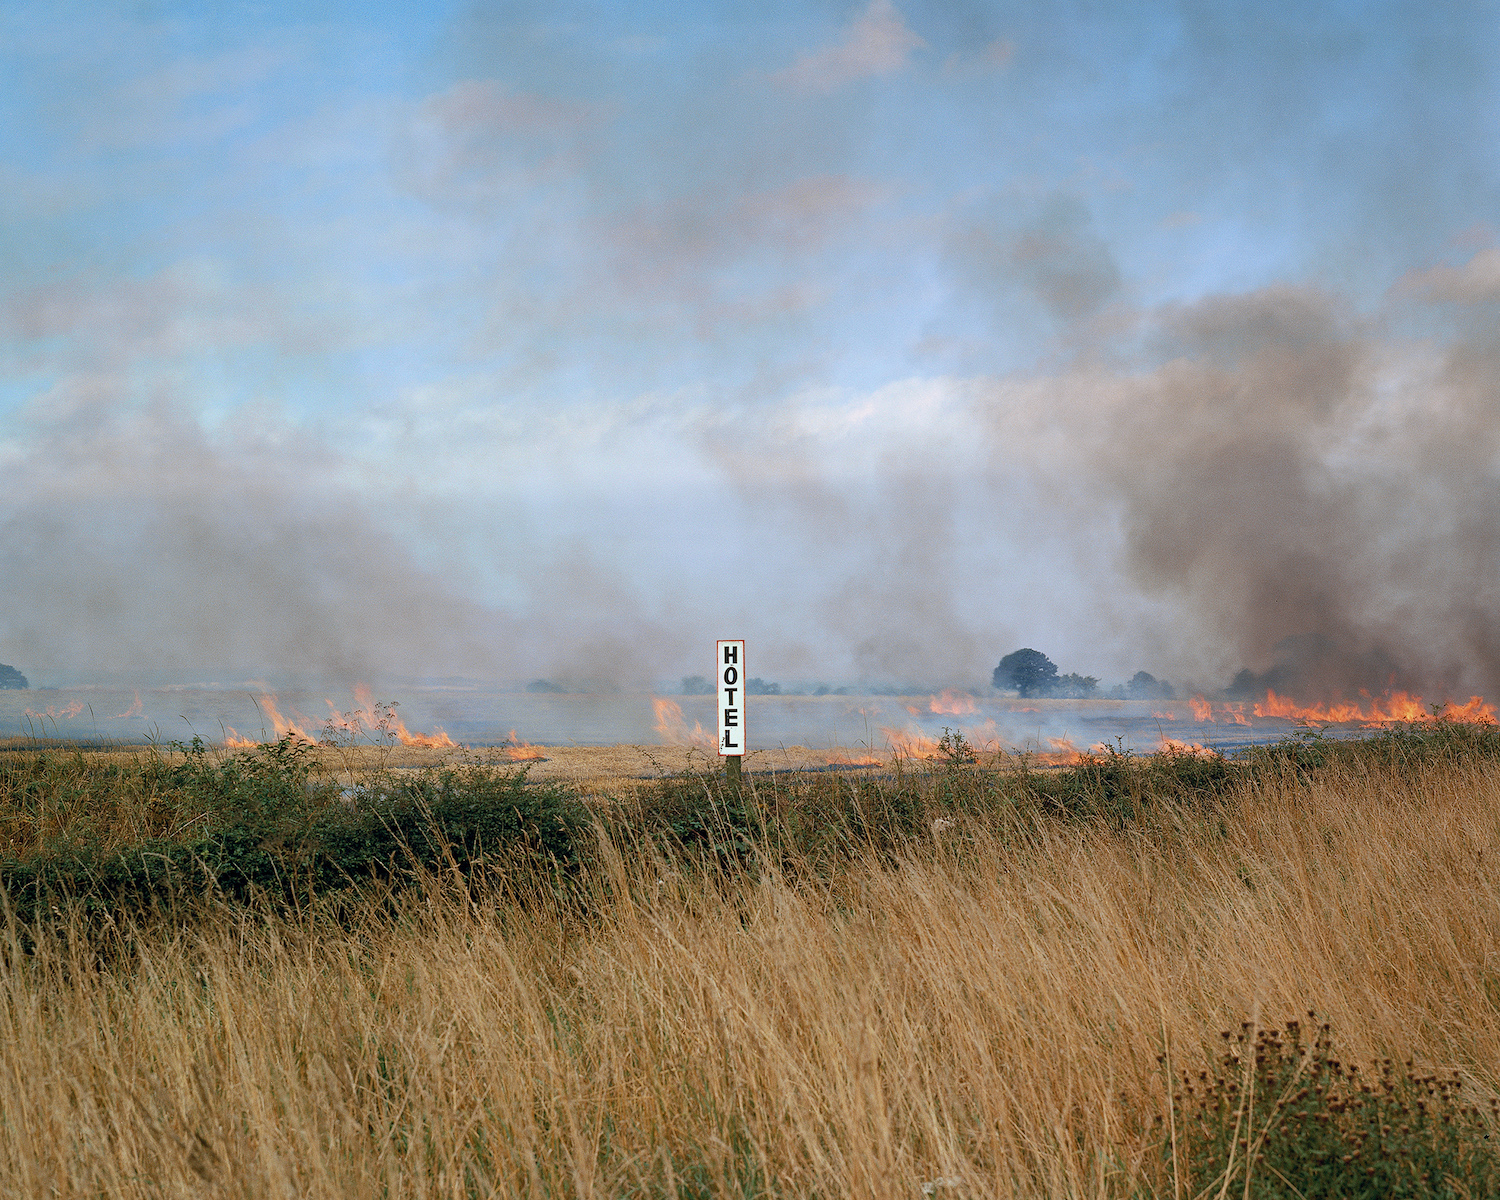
(983, 1018)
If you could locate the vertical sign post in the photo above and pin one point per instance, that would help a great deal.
(731, 671)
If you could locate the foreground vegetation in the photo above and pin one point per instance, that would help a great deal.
(243, 975)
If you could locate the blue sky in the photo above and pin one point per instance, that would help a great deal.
(513, 339)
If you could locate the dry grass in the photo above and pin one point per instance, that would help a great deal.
(985, 1019)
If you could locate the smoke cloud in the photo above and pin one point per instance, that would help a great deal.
(1310, 496)
(890, 337)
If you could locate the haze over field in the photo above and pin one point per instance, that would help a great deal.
(359, 341)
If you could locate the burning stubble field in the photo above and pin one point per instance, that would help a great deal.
(847, 726)
(250, 975)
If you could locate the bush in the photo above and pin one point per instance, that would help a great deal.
(262, 826)
(1400, 747)
(1117, 786)
(111, 836)
(819, 821)
(1282, 1117)
(451, 819)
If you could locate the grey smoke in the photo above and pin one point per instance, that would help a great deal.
(1318, 502)
(1014, 254)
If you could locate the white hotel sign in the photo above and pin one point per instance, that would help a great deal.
(731, 698)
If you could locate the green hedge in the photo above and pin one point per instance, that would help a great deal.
(111, 837)
(264, 826)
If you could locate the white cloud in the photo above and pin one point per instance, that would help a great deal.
(877, 43)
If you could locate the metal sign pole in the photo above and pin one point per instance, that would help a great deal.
(731, 674)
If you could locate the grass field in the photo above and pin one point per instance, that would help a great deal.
(986, 984)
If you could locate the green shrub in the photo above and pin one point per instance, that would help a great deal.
(1285, 1117)
(271, 785)
(696, 814)
(112, 836)
(264, 827)
(1404, 747)
(445, 820)
(820, 820)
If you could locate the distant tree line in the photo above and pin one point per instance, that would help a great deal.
(1027, 672)
(12, 678)
(1031, 674)
(699, 685)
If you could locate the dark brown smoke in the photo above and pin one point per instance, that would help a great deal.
(1319, 501)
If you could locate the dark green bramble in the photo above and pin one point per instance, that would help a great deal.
(1283, 1116)
(1310, 750)
(818, 822)
(128, 836)
(260, 825)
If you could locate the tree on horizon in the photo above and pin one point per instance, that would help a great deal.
(1029, 671)
(1146, 686)
(1073, 686)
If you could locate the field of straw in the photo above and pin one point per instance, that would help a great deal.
(999, 1008)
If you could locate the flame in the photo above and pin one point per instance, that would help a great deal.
(436, 740)
(903, 744)
(1234, 713)
(912, 743)
(1476, 711)
(843, 758)
(1395, 707)
(282, 726)
(1064, 753)
(673, 730)
(135, 707)
(1165, 716)
(1171, 746)
(519, 751)
(371, 715)
(954, 703)
(57, 714)
(909, 744)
